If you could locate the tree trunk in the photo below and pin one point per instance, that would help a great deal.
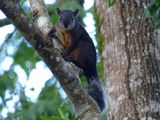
(131, 61)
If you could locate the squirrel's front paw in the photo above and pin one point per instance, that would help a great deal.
(52, 32)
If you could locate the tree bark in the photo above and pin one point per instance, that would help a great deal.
(85, 108)
(131, 61)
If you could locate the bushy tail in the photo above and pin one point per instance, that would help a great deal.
(95, 90)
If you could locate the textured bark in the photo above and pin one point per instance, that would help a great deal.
(131, 61)
(42, 19)
(85, 107)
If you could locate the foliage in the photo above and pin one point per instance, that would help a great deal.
(111, 2)
(153, 10)
(49, 106)
(100, 40)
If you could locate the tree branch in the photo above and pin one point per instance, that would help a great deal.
(85, 107)
(4, 22)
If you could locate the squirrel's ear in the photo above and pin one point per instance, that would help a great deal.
(58, 11)
(75, 12)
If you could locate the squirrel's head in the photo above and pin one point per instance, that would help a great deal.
(67, 18)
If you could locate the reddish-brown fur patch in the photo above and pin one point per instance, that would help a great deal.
(66, 37)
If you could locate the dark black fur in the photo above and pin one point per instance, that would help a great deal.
(86, 59)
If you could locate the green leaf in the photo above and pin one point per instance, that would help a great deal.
(111, 2)
(50, 118)
(91, 10)
(22, 1)
(157, 20)
(153, 2)
(146, 13)
(61, 113)
(153, 9)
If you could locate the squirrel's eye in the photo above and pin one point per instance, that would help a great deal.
(60, 19)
